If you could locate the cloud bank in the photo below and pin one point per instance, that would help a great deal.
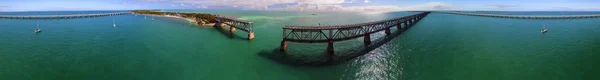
(305, 5)
(501, 6)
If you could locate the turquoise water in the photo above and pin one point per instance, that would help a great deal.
(538, 12)
(440, 47)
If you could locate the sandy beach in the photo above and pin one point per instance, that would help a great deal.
(188, 19)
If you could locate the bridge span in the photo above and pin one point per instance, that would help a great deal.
(526, 16)
(235, 24)
(70, 16)
(330, 34)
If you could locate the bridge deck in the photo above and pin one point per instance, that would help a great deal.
(59, 16)
(239, 24)
(319, 34)
(528, 16)
(343, 26)
(330, 34)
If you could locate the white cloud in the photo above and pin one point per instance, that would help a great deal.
(306, 5)
(202, 6)
(1, 6)
(329, 8)
(429, 6)
(501, 6)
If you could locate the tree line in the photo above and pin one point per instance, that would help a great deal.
(200, 17)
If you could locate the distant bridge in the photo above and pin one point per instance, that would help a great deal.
(70, 16)
(526, 16)
(330, 34)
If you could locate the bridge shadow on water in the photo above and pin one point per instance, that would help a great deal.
(322, 58)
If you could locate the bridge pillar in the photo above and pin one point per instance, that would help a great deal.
(250, 35)
(330, 50)
(405, 24)
(367, 40)
(217, 24)
(283, 45)
(387, 31)
(399, 26)
(231, 29)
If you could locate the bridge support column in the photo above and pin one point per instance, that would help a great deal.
(283, 46)
(250, 35)
(367, 40)
(217, 24)
(387, 31)
(330, 50)
(406, 24)
(231, 29)
(399, 26)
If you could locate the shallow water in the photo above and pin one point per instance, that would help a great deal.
(440, 47)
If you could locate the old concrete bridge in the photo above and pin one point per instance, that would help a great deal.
(70, 16)
(330, 34)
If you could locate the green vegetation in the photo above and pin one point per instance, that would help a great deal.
(199, 17)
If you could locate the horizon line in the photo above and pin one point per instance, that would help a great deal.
(321, 11)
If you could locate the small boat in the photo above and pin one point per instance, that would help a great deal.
(152, 18)
(38, 28)
(145, 17)
(314, 14)
(544, 29)
(114, 24)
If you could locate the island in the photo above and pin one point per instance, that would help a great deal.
(197, 18)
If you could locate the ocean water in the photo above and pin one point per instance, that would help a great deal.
(439, 47)
(540, 13)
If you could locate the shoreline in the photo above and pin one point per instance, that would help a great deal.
(187, 19)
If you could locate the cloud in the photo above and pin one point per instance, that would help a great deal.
(304, 5)
(250, 4)
(202, 6)
(340, 8)
(428, 6)
(574, 8)
(501, 6)
(1, 6)
(183, 5)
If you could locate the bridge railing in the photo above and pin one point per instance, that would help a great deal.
(321, 34)
(527, 16)
(60, 16)
(235, 24)
(239, 24)
(63, 15)
(330, 34)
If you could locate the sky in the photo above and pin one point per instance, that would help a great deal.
(304, 5)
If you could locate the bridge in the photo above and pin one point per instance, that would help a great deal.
(330, 34)
(526, 16)
(235, 24)
(71, 16)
